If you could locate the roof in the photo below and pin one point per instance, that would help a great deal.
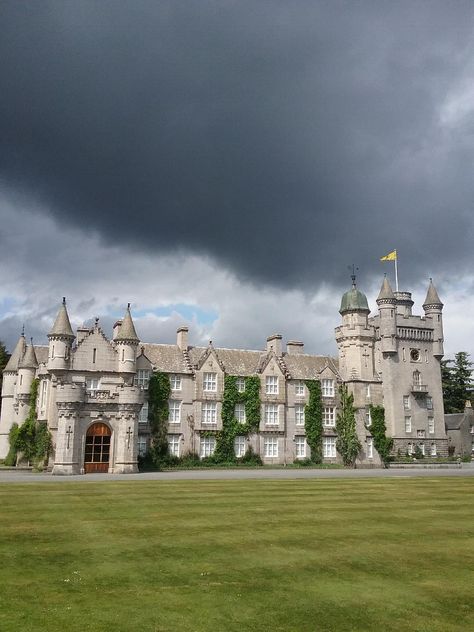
(354, 301)
(432, 297)
(18, 351)
(62, 324)
(127, 329)
(42, 353)
(303, 366)
(386, 292)
(453, 421)
(29, 360)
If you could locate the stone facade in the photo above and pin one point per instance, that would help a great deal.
(93, 391)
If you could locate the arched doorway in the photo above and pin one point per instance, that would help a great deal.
(97, 452)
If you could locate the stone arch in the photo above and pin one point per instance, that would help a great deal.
(97, 448)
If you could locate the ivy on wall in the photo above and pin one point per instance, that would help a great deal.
(378, 430)
(313, 420)
(231, 427)
(32, 440)
(347, 442)
(159, 390)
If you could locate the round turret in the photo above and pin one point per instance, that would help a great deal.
(60, 338)
(354, 301)
(126, 342)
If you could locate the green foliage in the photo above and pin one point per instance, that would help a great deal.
(313, 424)
(457, 382)
(231, 427)
(4, 357)
(378, 430)
(347, 443)
(32, 439)
(10, 459)
(159, 390)
(418, 454)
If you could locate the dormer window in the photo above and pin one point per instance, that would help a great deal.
(209, 382)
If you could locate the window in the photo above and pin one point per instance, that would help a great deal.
(422, 448)
(367, 391)
(433, 449)
(209, 382)
(368, 417)
(431, 425)
(240, 384)
(410, 448)
(44, 386)
(300, 447)
(329, 416)
(370, 448)
(142, 378)
(329, 447)
(207, 446)
(429, 403)
(173, 444)
(142, 446)
(416, 378)
(239, 412)
(209, 413)
(421, 434)
(143, 416)
(407, 424)
(299, 415)
(92, 385)
(415, 355)
(239, 446)
(271, 414)
(270, 447)
(94, 355)
(175, 411)
(175, 382)
(327, 388)
(472, 429)
(271, 385)
(299, 388)
(406, 402)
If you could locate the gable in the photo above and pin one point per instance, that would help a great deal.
(105, 355)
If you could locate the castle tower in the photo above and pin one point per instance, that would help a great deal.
(26, 374)
(127, 342)
(433, 309)
(387, 304)
(10, 376)
(60, 338)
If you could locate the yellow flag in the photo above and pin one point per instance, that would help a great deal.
(392, 256)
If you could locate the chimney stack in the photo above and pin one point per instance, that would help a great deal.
(294, 347)
(274, 342)
(182, 338)
(116, 329)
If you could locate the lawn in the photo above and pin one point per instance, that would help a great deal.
(303, 555)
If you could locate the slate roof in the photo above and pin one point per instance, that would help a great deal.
(62, 324)
(386, 292)
(16, 356)
(42, 352)
(127, 329)
(453, 421)
(29, 360)
(432, 297)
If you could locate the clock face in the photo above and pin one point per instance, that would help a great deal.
(415, 355)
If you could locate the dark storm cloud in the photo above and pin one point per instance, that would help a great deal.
(285, 140)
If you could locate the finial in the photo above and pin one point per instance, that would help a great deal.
(210, 342)
(128, 306)
(431, 280)
(23, 330)
(96, 321)
(353, 275)
(64, 300)
(31, 340)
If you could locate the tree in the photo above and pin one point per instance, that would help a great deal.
(159, 390)
(4, 357)
(457, 382)
(378, 430)
(347, 443)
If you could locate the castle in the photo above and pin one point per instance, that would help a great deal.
(93, 391)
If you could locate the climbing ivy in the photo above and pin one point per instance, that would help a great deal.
(313, 420)
(378, 429)
(32, 440)
(231, 428)
(159, 390)
(347, 443)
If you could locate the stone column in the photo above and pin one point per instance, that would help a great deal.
(68, 440)
(126, 441)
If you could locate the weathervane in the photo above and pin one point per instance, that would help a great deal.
(353, 269)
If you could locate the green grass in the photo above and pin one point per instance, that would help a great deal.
(303, 555)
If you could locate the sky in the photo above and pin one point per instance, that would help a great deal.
(223, 164)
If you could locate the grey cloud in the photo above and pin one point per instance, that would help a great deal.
(284, 141)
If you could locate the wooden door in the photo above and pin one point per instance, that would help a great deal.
(97, 452)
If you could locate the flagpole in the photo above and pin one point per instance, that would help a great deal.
(396, 270)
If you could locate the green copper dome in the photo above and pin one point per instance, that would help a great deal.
(354, 301)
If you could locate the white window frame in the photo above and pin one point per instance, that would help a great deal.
(407, 423)
(370, 448)
(410, 448)
(406, 402)
(44, 394)
(300, 447)
(299, 388)
(329, 416)
(209, 413)
(240, 384)
(327, 388)
(92, 385)
(143, 414)
(329, 447)
(299, 414)
(207, 445)
(175, 382)
(174, 444)
(240, 446)
(174, 406)
(368, 417)
(142, 378)
(270, 447)
(431, 425)
(367, 391)
(271, 415)
(239, 413)
(142, 446)
(209, 382)
(271, 384)
(422, 448)
(433, 451)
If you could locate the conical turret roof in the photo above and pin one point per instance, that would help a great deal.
(62, 324)
(432, 297)
(127, 329)
(29, 359)
(16, 356)
(386, 292)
